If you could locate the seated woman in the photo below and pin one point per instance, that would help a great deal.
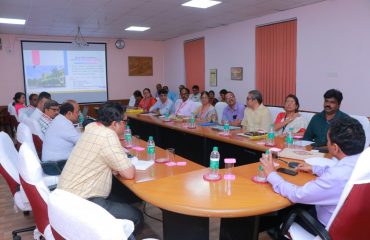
(290, 118)
(148, 101)
(212, 99)
(206, 112)
(135, 99)
(19, 100)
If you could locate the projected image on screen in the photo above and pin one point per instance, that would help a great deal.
(66, 72)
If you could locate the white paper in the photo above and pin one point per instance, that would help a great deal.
(302, 143)
(319, 161)
(142, 165)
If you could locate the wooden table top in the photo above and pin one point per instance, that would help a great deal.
(181, 189)
(209, 132)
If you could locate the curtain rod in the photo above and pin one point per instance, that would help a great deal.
(281, 21)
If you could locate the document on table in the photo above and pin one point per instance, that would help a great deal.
(320, 161)
(299, 154)
(141, 165)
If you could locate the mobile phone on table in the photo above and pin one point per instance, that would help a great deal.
(293, 164)
(287, 171)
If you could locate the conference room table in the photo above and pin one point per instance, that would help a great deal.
(188, 201)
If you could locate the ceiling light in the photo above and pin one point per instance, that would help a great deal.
(137, 28)
(13, 21)
(79, 39)
(201, 3)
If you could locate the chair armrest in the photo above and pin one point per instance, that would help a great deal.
(305, 217)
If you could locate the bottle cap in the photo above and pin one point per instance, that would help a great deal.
(260, 168)
(230, 160)
(267, 151)
(127, 127)
(215, 148)
(290, 129)
(150, 138)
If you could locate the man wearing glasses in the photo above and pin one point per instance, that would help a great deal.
(233, 112)
(61, 136)
(184, 106)
(50, 111)
(256, 116)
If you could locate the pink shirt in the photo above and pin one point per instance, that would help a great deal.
(17, 107)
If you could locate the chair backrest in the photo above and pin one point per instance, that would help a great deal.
(22, 114)
(307, 115)
(72, 217)
(24, 135)
(366, 125)
(350, 218)
(220, 106)
(8, 161)
(34, 187)
(196, 105)
(36, 129)
(11, 109)
(275, 111)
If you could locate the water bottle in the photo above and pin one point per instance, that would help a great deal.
(128, 136)
(80, 118)
(289, 138)
(151, 149)
(226, 128)
(214, 163)
(192, 121)
(270, 141)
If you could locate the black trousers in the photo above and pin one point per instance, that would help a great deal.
(117, 204)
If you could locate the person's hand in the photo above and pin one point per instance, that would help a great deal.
(267, 163)
(304, 167)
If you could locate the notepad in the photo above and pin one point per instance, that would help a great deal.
(142, 165)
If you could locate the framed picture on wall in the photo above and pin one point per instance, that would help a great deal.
(236, 73)
(213, 77)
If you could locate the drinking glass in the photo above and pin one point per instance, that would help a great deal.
(171, 154)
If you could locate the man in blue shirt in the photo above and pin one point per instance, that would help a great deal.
(345, 142)
(319, 124)
(233, 112)
(164, 105)
(170, 94)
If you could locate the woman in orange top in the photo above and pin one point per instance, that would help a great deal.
(19, 100)
(147, 101)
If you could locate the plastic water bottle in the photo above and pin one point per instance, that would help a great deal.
(214, 163)
(226, 128)
(289, 138)
(128, 136)
(192, 121)
(270, 141)
(151, 149)
(80, 118)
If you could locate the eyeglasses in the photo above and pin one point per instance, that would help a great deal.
(249, 98)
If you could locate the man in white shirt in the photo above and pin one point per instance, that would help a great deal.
(37, 113)
(164, 105)
(26, 112)
(184, 106)
(195, 96)
(61, 136)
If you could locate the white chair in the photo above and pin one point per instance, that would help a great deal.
(8, 169)
(72, 217)
(220, 106)
(24, 135)
(36, 129)
(11, 109)
(275, 111)
(366, 126)
(22, 114)
(36, 191)
(307, 116)
(196, 105)
(350, 217)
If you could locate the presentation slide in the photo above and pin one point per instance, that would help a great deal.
(66, 71)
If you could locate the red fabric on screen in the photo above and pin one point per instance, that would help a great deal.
(194, 63)
(276, 51)
(352, 220)
(35, 57)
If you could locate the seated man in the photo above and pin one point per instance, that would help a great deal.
(195, 96)
(61, 136)
(97, 156)
(345, 141)
(37, 113)
(158, 87)
(184, 106)
(30, 108)
(171, 95)
(256, 115)
(319, 124)
(164, 105)
(234, 112)
(51, 110)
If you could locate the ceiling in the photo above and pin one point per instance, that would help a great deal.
(108, 18)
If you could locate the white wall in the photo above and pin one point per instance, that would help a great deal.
(333, 51)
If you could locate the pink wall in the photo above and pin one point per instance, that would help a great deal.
(332, 52)
(120, 85)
